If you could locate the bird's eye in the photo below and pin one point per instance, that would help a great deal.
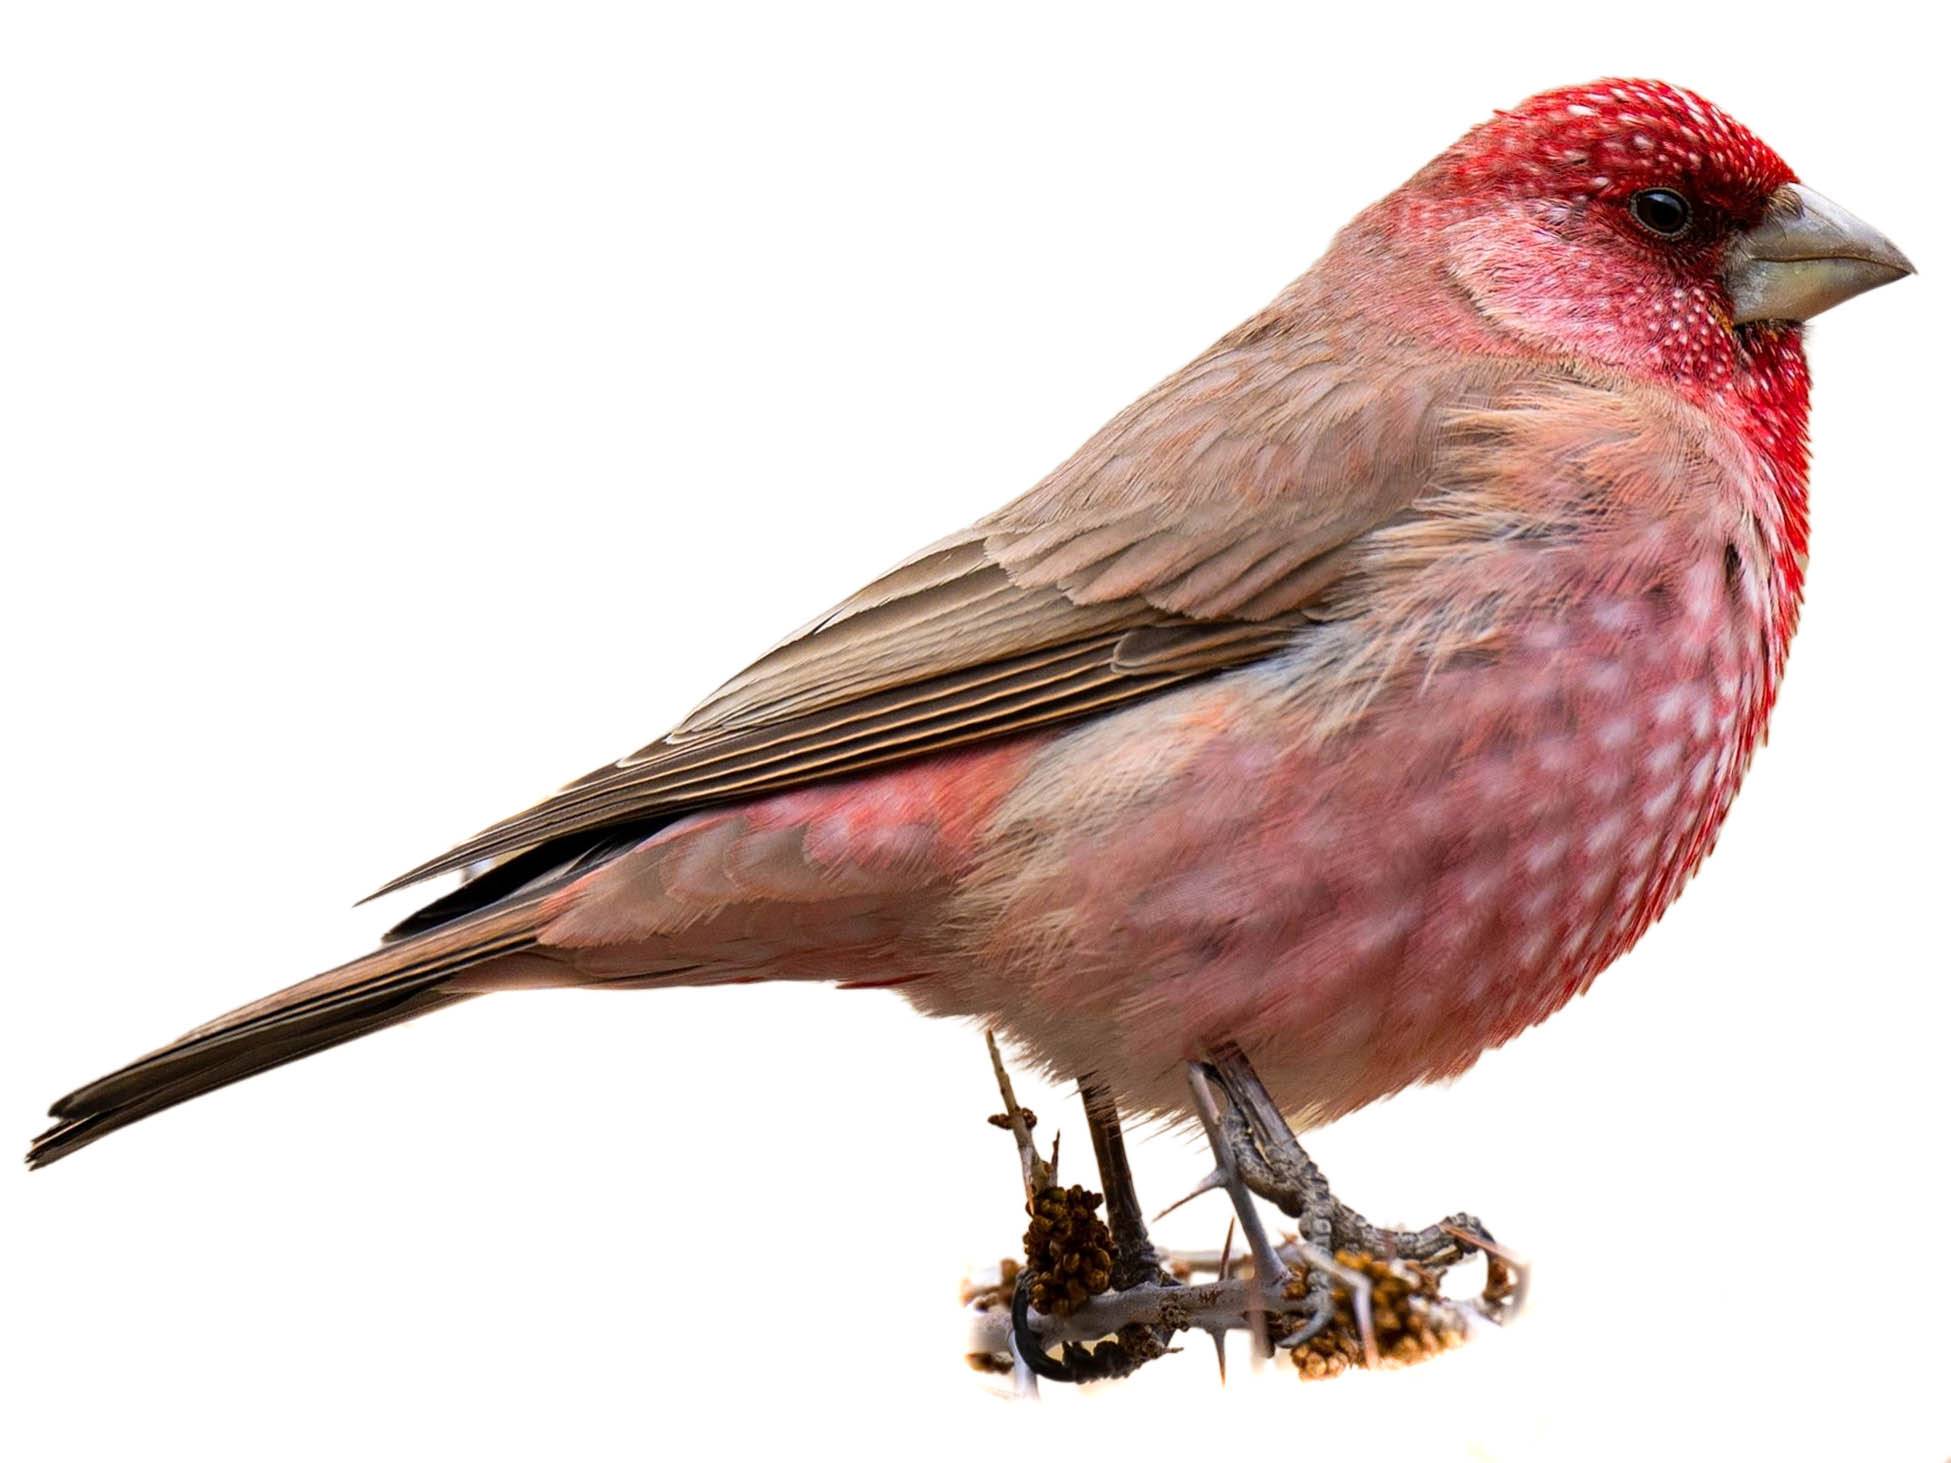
(1662, 211)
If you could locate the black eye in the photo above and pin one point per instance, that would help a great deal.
(1662, 211)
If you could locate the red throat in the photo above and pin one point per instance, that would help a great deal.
(1769, 400)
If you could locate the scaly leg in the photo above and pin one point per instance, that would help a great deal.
(1342, 1292)
(1340, 1249)
(1136, 1260)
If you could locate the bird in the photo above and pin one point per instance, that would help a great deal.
(1336, 712)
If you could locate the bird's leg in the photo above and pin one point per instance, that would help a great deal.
(1238, 1156)
(1340, 1292)
(1342, 1252)
(1134, 1261)
(1071, 1256)
(1290, 1179)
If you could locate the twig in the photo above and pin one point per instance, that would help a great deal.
(1037, 1175)
(1218, 1305)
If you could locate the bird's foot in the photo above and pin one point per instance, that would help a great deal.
(1343, 1291)
(1336, 1293)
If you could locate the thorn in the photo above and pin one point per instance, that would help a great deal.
(1269, 1274)
(1213, 1180)
(1219, 1350)
(1226, 1250)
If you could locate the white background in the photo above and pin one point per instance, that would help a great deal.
(408, 407)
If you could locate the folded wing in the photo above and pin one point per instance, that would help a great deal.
(1189, 535)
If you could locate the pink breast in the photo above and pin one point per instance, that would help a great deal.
(1380, 907)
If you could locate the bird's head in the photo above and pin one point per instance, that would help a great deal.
(1635, 224)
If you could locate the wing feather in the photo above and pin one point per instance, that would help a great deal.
(1188, 536)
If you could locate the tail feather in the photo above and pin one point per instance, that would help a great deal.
(83, 1125)
(395, 983)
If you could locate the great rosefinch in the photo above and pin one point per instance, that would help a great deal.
(1351, 699)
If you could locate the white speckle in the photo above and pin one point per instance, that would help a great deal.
(1656, 806)
(1606, 678)
(1542, 856)
(1546, 635)
(1604, 834)
(1385, 929)
(1605, 781)
(1613, 614)
(1671, 703)
(1556, 754)
(1663, 758)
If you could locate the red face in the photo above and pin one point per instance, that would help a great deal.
(1595, 220)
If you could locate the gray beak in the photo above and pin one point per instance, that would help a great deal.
(1805, 255)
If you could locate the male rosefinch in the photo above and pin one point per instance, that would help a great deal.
(1348, 702)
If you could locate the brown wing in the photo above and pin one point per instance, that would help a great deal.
(1187, 536)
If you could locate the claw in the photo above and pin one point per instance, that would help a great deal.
(1023, 1341)
(1321, 1313)
(1361, 1296)
(1520, 1270)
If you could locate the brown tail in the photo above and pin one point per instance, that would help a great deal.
(395, 983)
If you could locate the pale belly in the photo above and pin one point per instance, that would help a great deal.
(1371, 907)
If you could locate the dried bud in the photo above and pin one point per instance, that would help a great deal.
(1412, 1323)
(1067, 1248)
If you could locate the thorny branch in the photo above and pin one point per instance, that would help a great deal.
(1374, 1299)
